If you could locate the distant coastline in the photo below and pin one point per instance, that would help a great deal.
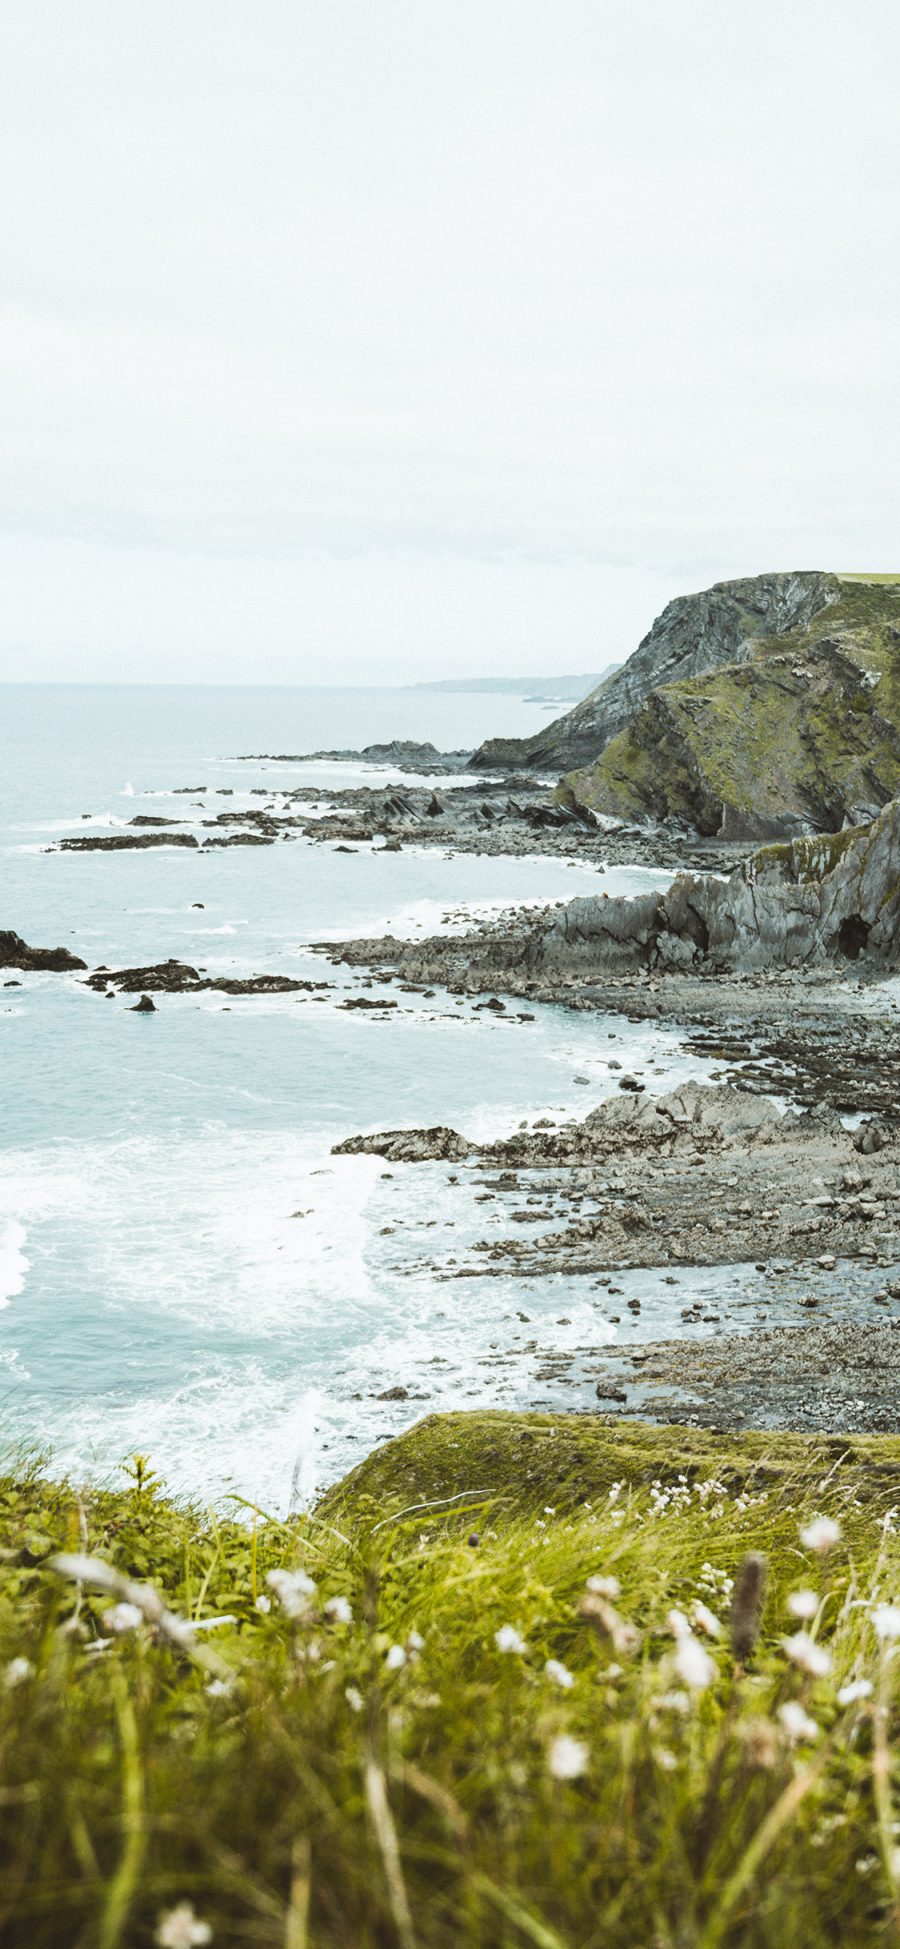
(535, 689)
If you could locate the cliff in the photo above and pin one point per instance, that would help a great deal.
(695, 634)
(799, 732)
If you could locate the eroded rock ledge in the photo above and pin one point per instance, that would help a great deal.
(811, 900)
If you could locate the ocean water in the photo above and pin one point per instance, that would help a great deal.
(185, 1269)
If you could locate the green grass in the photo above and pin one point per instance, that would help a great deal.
(299, 1785)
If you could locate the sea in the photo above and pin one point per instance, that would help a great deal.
(187, 1272)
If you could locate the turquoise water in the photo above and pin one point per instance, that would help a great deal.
(185, 1269)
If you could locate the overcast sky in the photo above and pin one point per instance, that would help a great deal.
(362, 340)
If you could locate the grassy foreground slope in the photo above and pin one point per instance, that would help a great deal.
(439, 1733)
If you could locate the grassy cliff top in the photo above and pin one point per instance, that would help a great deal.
(414, 1719)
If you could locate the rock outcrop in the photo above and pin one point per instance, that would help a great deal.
(408, 1146)
(695, 634)
(178, 978)
(15, 953)
(813, 900)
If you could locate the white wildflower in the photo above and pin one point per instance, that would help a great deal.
(693, 1665)
(677, 1623)
(122, 1618)
(810, 1656)
(673, 1702)
(395, 1658)
(415, 1641)
(705, 1620)
(354, 1698)
(180, 1928)
(548, 1511)
(886, 1619)
(17, 1672)
(264, 1603)
(858, 1688)
(559, 1673)
(797, 1723)
(339, 1610)
(803, 1604)
(217, 1688)
(568, 1757)
(293, 1588)
(821, 1534)
(605, 1587)
(508, 1639)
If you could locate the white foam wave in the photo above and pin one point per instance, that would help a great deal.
(13, 1263)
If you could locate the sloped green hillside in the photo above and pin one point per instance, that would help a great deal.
(519, 1680)
(801, 736)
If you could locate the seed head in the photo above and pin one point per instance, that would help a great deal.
(746, 1605)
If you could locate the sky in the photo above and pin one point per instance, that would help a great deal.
(361, 341)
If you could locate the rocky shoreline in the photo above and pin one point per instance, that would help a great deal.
(716, 1174)
(775, 966)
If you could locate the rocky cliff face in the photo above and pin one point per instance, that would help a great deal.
(834, 898)
(694, 634)
(797, 732)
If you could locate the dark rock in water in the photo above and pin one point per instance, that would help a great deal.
(408, 1146)
(144, 1007)
(121, 842)
(393, 1394)
(168, 975)
(178, 978)
(15, 953)
(199, 905)
(152, 819)
(243, 839)
(362, 1001)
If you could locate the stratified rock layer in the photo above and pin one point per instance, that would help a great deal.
(812, 900)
